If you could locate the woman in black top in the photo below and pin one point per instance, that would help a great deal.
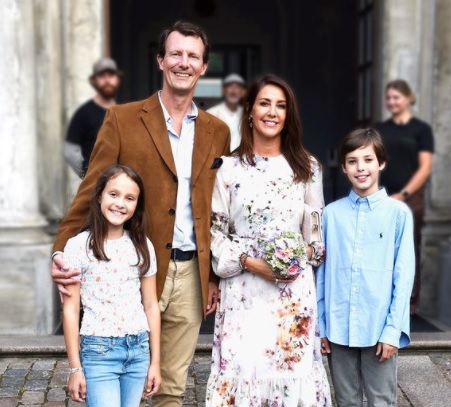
(410, 145)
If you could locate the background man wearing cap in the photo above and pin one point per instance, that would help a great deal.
(87, 120)
(230, 111)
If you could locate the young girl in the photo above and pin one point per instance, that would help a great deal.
(118, 291)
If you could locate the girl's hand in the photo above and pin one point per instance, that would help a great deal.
(386, 351)
(77, 387)
(262, 268)
(153, 382)
(325, 346)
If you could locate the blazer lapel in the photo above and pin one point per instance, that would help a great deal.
(153, 118)
(203, 139)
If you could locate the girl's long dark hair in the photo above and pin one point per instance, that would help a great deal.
(291, 142)
(97, 225)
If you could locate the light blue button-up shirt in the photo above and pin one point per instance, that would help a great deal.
(182, 150)
(364, 286)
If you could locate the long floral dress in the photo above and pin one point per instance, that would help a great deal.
(266, 350)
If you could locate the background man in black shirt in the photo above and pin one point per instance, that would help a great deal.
(87, 120)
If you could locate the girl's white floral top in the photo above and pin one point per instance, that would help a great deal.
(266, 349)
(110, 290)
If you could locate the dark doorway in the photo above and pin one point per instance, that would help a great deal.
(314, 45)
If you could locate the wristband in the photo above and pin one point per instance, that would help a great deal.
(75, 370)
(405, 194)
(56, 253)
(242, 260)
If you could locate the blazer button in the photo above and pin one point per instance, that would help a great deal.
(175, 179)
(171, 211)
(168, 245)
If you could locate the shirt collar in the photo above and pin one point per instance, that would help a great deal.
(373, 200)
(189, 117)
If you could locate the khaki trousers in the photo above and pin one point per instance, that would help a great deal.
(181, 317)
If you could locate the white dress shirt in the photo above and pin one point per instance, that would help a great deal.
(232, 119)
(182, 150)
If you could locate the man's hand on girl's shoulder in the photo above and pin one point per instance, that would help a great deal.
(385, 351)
(61, 275)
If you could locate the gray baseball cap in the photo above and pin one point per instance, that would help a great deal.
(105, 64)
(233, 78)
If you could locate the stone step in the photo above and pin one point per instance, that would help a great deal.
(53, 345)
(422, 382)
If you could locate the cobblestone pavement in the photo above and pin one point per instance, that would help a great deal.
(41, 381)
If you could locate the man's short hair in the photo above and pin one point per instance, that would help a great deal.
(361, 138)
(188, 30)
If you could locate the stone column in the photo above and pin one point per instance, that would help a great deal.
(25, 287)
(408, 51)
(84, 39)
(405, 39)
(50, 109)
(438, 219)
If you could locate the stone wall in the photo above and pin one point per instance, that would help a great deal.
(50, 112)
(438, 219)
(415, 39)
(48, 48)
(84, 37)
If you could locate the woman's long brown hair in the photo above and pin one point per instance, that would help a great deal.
(291, 141)
(97, 225)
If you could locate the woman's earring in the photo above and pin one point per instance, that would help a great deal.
(251, 122)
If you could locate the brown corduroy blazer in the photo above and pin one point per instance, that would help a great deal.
(135, 134)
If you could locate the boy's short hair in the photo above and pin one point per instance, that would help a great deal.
(361, 138)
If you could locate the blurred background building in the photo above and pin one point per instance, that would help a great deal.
(337, 55)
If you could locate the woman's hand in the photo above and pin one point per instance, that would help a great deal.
(309, 252)
(153, 382)
(213, 296)
(262, 269)
(77, 387)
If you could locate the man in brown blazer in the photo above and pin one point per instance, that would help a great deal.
(173, 146)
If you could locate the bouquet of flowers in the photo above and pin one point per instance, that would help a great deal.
(286, 253)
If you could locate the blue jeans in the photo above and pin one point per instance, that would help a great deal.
(115, 369)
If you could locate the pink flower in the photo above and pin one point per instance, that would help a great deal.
(281, 254)
(294, 269)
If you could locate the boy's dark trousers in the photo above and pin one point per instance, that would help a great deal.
(355, 370)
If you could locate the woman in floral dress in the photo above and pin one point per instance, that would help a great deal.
(266, 350)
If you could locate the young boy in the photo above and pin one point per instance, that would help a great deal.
(364, 286)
